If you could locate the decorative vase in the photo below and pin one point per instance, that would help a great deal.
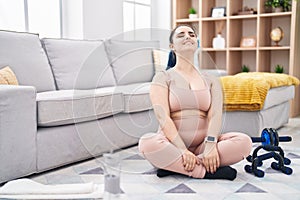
(277, 9)
(218, 42)
(193, 16)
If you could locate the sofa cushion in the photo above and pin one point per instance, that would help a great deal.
(136, 97)
(79, 64)
(23, 52)
(8, 77)
(131, 60)
(73, 106)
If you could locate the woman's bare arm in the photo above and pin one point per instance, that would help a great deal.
(211, 158)
(216, 109)
(159, 96)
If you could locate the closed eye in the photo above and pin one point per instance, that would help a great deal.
(192, 34)
(180, 35)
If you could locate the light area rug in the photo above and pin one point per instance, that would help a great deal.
(29, 189)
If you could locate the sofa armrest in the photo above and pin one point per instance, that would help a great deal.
(18, 127)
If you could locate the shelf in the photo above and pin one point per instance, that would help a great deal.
(242, 49)
(244, 16)
(213, 18)
(187, 20)
(275, 48)
(212, 49)
(259, 48)
(276, 14)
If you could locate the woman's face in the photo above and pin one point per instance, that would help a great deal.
(184, 39)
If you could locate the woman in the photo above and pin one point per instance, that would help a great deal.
(188, 106)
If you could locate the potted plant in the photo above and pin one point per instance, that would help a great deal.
(245, 68)
(279, 68)
(278, 5)
(192, 13)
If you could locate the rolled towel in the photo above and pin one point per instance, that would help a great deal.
(29, 187)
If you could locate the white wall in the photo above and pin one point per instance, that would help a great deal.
(161, 14)
(161, 22)
(102, 18)
(99, 19)
(72, 19)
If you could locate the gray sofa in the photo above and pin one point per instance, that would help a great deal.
(75, 100)
(80, 98)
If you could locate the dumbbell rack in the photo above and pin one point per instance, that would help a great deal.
(270, 142)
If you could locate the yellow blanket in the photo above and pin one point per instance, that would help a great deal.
(247, 91)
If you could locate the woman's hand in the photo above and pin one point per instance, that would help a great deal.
(211, 160)
(189, 160)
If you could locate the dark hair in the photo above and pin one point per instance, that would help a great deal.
(172, 55)
(171, 60)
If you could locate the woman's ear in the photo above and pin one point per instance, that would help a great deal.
(171, 46)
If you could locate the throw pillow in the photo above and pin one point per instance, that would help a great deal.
(160, 59)
(8, 77)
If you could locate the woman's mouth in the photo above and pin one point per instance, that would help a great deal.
(188, 42)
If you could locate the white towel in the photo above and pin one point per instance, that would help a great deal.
(28, 189)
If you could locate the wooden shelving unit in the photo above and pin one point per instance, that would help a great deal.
(265, 55)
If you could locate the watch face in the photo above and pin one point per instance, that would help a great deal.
(210, 138)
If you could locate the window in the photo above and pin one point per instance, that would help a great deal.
(43, 17)
(136, 14)
(128, 16)
(12, 15)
